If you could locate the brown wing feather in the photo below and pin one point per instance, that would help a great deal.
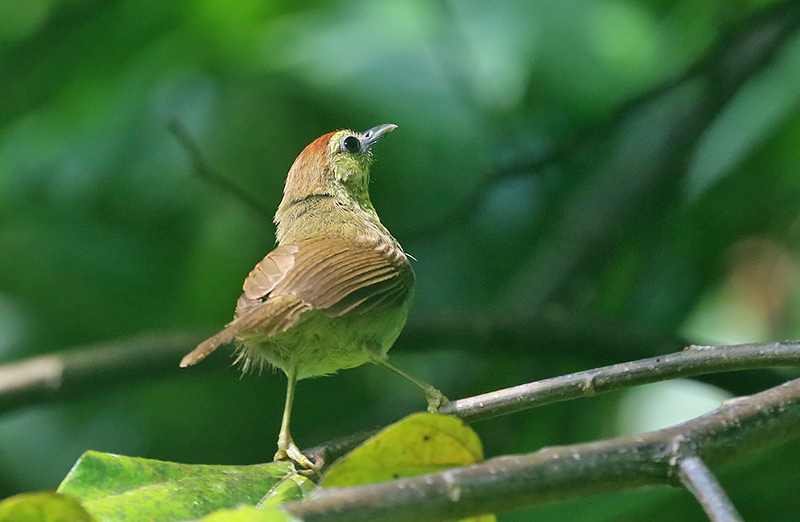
(269, 272)
(367, 280)
(380, 295)
(270, 317)
(328, 271)
(334, 275)
(314, 259)
(275, 315)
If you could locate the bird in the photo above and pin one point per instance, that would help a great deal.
(335, 292)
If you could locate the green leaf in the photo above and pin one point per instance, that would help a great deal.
(420, 443)
(113, 487)
(289, 488)
(249, 514)
(42, 507)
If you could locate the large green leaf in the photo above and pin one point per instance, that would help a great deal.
(291, 487)
(114, 487)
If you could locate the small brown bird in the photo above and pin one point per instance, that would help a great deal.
(336, 291)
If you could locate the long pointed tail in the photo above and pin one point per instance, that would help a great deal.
(268, 318)
(205, 348)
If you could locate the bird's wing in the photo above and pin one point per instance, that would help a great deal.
(347, 277)
(266, 275)
(334, 275)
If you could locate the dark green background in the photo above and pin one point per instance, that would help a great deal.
(582, 182)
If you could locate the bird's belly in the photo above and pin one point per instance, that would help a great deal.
(321, 345)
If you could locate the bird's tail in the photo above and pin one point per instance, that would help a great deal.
(205, 348)
(266, 320)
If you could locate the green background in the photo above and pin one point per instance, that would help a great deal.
(582, 182)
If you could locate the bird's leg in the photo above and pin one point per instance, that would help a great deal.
(286, 446)
(434, 397)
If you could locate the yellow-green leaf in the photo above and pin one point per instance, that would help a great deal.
(420, 443)
(42, 507)
(249, 514)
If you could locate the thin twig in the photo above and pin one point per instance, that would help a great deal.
(203, 171)
(710, 63)
(693, 361)
(642, 177)
(690, 362)
(735, 430)
(72, 373)
(545, 341)
(84, 370)
(698, 479)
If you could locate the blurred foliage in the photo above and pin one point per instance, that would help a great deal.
(515, 178)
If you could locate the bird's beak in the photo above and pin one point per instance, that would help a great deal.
(375, 133)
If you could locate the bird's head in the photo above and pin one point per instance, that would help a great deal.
(336, 164)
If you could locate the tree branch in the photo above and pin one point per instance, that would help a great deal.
(737, 429)
(738, 423)
(595, 341)
(693, 361)
(78, 371)
(642, 176)
(203, 171)
(756, 39)
(81, 370)
(59, 375)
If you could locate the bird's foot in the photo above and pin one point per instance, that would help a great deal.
(435, 399)
(288, 449)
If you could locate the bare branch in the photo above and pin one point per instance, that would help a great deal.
(42, 378)
(736, 57)
(203, 171)
(695, 360)
(698, 479)
(589, 338)
(642, 176)
(738, 428)
(69, 373)
(85, 370)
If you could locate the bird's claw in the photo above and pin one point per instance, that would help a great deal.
(290, 450)
(435, 399)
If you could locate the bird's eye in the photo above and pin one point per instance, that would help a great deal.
(351, 144)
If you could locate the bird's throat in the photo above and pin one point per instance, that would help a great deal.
(331, 216)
